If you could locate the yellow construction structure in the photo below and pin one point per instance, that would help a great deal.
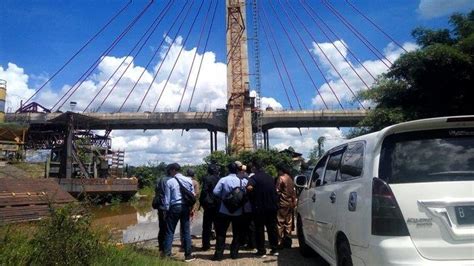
(239, 121)
(3, 96)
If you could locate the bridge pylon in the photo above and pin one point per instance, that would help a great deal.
(239, 104)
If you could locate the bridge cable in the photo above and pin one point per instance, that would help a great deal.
(375, 25)
(156, 51)
(283, 63)
(80, 50)
(101, 57)
(153, 28)
(309, 53)
(201, 34)
(168, 50)
(202, 57)
(305, 6)
(179, 54)
(357, 33)
(299, 56)
(337, 49)
(278, 69)
(322, 50)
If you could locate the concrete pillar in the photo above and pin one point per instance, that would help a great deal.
(215, 140)
(211, 141)
(266, 140)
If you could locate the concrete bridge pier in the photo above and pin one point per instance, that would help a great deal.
(266, 140)
(213, 140)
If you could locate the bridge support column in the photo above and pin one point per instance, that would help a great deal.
(211, 140)
(215, 140)
(66, 158)
(266, 140)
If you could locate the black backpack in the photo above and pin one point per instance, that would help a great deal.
(235, 199)
(187, 197)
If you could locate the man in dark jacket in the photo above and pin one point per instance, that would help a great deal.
(264, 199)
(160, 199)
(210, 203)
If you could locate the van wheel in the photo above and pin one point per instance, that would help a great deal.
(305, 250)
(344, 254)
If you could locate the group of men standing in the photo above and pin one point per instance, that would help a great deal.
(251, 201)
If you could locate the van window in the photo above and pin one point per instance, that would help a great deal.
(428, 156)
(352, 161)
(332, 168)
(318, 171)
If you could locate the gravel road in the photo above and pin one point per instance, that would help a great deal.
(286, 257)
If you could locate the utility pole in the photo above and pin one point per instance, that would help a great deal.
(239, 120)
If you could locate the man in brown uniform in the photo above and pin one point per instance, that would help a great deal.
(287, 202)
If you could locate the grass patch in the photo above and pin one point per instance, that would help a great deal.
(34, 170)
(130, 255)
(67, 238)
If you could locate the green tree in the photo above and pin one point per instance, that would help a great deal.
(435, 80)
(317, 151)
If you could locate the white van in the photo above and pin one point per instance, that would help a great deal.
(400, 196)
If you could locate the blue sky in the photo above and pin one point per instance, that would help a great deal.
(37, 37)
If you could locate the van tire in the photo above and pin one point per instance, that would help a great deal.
(344, 253)
(305, 250)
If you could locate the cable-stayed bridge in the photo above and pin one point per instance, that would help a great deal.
(244, 119)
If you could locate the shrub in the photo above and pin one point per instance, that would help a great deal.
(65, 238)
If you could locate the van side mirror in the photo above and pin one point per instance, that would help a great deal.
(301, 181)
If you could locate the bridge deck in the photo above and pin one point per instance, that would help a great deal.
(191, 120)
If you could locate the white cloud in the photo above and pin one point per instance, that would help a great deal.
(282, 138)
(376, 67)
(17, 86)
(211, 93)
(437, 8)
(267, 102)
(151, 145)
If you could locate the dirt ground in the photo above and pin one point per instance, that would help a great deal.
(286, 257)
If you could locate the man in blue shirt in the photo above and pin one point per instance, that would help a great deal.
(176, 210)
(160, 195)
(223, 188)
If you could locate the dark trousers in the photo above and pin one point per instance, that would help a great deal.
(266, 220)
(161, 230)
(248, 227)
(222, 224)
(208, 219)
(178, 212)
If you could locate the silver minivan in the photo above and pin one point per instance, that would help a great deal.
(400, 196)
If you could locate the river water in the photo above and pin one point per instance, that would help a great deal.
(132, 223)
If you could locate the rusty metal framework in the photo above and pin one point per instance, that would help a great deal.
(239, 98)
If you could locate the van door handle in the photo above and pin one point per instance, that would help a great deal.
(314, 197)
(352, 204)
(333, 197)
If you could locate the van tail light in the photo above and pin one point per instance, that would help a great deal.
(387, 219)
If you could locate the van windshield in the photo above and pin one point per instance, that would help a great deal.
(428, 156)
